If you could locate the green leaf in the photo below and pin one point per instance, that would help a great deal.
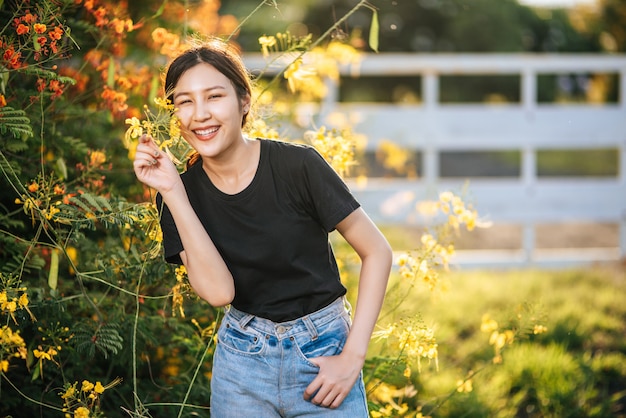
(161, 9)
(111, 73)
(53, 276)
(374, 31)
(36, 372)
(14, 121)
(62, 168)
(4, 74)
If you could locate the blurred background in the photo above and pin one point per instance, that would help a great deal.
(520, 104)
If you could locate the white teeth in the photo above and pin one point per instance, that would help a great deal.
(206, 131)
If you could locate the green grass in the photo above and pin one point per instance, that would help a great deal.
(575, 369)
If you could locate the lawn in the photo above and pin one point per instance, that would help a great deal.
(573, 365)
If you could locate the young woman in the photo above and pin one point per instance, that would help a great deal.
(250, 219)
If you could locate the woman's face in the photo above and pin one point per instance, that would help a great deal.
(209, 110)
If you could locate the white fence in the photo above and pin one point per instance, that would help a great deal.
(527, 127)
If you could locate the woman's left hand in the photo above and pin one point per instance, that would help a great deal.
(334, 380)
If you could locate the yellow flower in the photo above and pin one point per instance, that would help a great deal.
(446, 197)
(69, 392)
(4, 366)
(174, 128)
(97, 158)
(181, 272)
(87, 386)
(296, 76)
(99, 388)
(464, 386)
(266, 43)
(10, 306)
(81, 412)
(42, 355)
(134, 131)
(488, 324)
(164, 103)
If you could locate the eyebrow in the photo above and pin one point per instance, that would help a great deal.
(183, 93)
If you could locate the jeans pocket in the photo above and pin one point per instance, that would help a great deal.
(330, 340)
(242, 341)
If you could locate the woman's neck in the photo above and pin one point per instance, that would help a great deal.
(234, 170)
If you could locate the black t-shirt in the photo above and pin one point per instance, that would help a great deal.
(273, 235)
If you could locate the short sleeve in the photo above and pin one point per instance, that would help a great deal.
(328, 194)
(172, 245)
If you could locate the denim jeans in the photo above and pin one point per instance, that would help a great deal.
(261, 368)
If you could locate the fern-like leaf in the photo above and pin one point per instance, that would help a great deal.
(15, 122)
(105, 338)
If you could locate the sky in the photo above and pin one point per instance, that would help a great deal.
(555, 3)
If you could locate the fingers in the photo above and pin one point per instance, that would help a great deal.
(147, 152)
(327, 395)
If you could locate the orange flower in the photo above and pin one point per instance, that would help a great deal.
(22, 29)
(29, 18)
(33, 187)
(41, 84)
(42, 40)
(3, 101)
(158, 35)
(39, 28)
(100, 15)
(97, 158)
(56, 87)
(12, 57)
(56, 33)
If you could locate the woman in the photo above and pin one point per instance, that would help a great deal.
(250, 219)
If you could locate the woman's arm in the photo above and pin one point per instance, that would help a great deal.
(208, 274)
(338, 374)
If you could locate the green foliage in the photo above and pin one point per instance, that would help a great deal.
(90, 338)
(16, 123)
(86, 289)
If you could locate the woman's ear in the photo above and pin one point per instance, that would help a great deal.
(245, 104)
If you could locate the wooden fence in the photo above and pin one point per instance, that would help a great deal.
(527, 127)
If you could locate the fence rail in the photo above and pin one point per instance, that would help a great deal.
(433, 128)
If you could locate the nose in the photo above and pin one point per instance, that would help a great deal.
(201, 111)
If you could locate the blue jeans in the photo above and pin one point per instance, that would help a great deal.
(261, 368)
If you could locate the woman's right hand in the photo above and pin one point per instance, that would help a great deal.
(153, 167)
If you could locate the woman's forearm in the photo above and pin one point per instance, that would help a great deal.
(208, 274)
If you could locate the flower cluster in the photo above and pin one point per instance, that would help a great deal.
(500, 338)
(36, 39)
(84, 402)
(425, 263)
(164, 128)
(11, 345)
(306, 73)
(43, 199)
(458, 213)
(110, 19)
(336, 146)
(43, 32)
(413, 340)
(180, 288)
(393, 399)
(168, 43)
(13, 298)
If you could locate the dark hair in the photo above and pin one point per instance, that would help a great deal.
(225, 60)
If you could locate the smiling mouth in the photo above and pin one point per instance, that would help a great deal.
(205, 132)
